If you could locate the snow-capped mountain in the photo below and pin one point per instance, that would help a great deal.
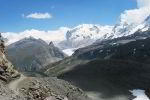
(144, 26)
(88, 31)
(124, 28)
(84, 35)
(87, 34)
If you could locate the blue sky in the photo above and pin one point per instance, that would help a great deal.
(65, 13)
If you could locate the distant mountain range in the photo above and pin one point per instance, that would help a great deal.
(87, 34)
(133, 47)
(36, 53)
(70, 39)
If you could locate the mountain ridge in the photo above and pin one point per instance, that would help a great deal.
(34, 53)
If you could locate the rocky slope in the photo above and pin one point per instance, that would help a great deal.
(50, 89)
(32, 54)
(7, 73)
(15, 86)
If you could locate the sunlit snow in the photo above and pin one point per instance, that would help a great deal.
(140, 95)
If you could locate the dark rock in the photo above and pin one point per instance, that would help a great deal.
(1, 70)
(147, 92)
(3, 78)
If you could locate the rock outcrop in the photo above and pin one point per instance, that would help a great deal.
(147, 92)
(7, 73)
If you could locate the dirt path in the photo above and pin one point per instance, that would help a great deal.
(14, 84)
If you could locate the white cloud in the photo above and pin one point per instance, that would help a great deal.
(55, 36)
(136, 16)
(143, 3)
(39, 16)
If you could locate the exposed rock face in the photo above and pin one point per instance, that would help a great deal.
(7, 73)
(31, 54)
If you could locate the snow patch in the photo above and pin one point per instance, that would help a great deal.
(140, 95)
(69, 52)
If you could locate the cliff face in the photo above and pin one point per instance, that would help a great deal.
(7, 73)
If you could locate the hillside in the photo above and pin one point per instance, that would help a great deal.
(110, 68)
(110, 78)
(31, 54)
(134, 47)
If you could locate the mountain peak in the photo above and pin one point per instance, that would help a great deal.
(29, 38)
(33, 54)
(86, 34)
(51, 44)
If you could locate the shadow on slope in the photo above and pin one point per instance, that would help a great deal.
(111, 78)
